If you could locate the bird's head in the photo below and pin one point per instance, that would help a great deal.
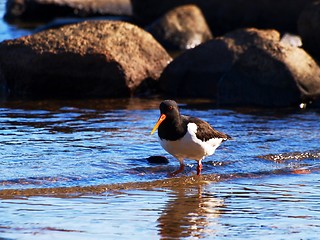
(169, 111)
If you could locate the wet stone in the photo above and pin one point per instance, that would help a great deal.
(158, 160)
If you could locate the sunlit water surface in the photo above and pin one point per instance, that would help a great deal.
(63, 144)
(284, 207)
(264, 184)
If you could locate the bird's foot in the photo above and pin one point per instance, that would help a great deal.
(181, 169)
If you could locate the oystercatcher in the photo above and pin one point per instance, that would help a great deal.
(186, 137)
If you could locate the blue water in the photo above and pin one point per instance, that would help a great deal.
(77, 144)
(269, 208)
(10, 31)
(263, 184)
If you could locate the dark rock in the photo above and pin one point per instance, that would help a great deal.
(158, 160)
(45, 10)
(309, 28)
(258, 79)
(268, 73)
(244, 67)
(90, 59)
(225, 15)
(181, 28)
(196, 72)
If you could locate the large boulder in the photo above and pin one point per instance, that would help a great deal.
(244, 67)
(90, 59)
(309, 28)
(45, 10)
(226, 15)
(198, 71)
(271, 76)
(182, 28)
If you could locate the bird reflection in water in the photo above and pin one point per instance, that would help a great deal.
(190, 213)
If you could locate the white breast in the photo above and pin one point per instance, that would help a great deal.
(189, 146)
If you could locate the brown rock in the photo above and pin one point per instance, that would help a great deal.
(198, 72)
(309, 28)
(262, 79)
(90, 59)
(45, 10)
(181, 28)
(226, 15)
(268, 73)
(244, 67)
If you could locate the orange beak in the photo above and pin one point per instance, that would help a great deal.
(161, 118)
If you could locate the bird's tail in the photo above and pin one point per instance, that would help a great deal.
(228, 137)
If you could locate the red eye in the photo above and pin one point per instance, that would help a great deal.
(170, 108)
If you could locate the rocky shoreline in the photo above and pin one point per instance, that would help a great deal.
(244, 53)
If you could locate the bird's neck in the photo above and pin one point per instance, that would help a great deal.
(172, 129)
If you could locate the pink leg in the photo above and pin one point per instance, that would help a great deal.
(181, 169)
(199, 168)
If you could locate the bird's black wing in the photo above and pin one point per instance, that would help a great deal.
(205, 131)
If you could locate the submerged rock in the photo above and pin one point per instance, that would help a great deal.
(90, 59)
(244, 67)
(45, 10)
(181, 28)
(158, 160)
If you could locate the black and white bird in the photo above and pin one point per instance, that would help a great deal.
(186, 137)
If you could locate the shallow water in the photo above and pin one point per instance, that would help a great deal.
(84, 143)
(10, 31)
(274, 207)
(79, 170)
